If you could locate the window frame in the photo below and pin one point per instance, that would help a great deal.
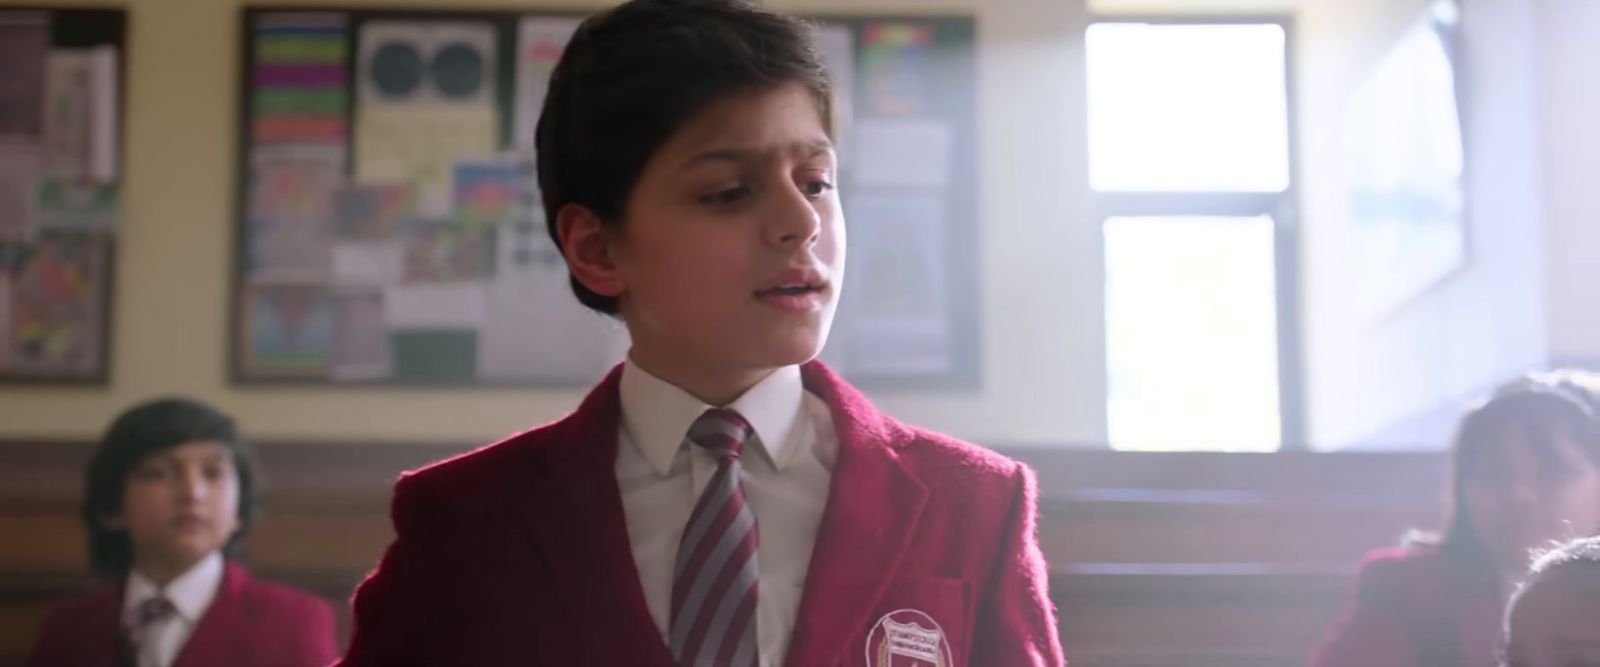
(1281, 206)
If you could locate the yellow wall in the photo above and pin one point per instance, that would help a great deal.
(1043, 347)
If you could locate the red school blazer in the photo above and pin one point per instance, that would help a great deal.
(251, 623)
(1418, 607)
(517, 554)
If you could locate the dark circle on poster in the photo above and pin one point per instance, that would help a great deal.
(458, 70)
(396, 69)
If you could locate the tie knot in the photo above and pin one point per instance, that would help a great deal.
(720, 431)
(152, 610)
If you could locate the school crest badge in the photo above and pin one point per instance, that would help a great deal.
(907, 638)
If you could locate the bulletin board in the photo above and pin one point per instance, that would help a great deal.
(390, 229)
(61, 94)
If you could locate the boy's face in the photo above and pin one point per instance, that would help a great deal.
(1556, 623)
(179, 505)
(732, 254)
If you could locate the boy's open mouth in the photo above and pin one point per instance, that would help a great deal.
(790, 290)
(792, 282)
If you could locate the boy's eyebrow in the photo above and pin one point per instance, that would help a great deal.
(813, 148)
(803, 149)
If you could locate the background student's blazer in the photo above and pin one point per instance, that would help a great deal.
(251, 623)
(1418, 607)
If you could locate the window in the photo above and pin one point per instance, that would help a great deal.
(1189, 156)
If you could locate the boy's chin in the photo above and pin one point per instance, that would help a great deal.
(193, 551)
(793, 351)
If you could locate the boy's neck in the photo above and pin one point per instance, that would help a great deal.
(161, 572)
(714, 388)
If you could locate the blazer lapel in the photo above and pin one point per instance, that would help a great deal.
(873, 510)
(215, 637)
(574, 508)
(103, 640)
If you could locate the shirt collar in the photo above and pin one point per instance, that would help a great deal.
(657, 414)
(191, 593)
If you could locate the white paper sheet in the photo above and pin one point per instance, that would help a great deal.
(537, 329)
(438, 305)
(538, 49)
(377, 263)
(360, 349)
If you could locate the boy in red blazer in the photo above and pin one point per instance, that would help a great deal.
(721, 498)
(169, 494)
(1551, 619)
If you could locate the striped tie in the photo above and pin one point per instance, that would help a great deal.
(714, 584)
(142, 649)
(152, 610)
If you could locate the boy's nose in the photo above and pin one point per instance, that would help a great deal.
(795, 219)
(192, 486)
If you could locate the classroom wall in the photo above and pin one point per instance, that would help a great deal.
(1569, 97)
(1397, 379)
(1042, 340)
(1203, 7)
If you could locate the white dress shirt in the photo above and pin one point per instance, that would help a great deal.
(786, 467)
(191, 593)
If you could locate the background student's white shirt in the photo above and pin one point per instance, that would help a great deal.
(191, 594)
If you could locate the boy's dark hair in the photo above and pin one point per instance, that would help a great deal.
(631, 76)
(135, 434)
(1583, 552)
(1541, 407)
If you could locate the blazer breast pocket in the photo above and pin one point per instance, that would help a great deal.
(921, 622)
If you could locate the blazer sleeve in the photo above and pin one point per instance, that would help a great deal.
(390, 607)
(1016, 622)
(319, 644)
(54, 637)
(1372, 631)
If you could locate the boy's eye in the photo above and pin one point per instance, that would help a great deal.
(725, 197)
(816, 187)
(215, 473)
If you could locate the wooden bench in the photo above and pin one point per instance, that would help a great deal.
(1157, 560)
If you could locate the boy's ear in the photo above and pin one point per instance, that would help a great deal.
(586, 244)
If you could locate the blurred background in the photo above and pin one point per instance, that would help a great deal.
(1226, 272)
